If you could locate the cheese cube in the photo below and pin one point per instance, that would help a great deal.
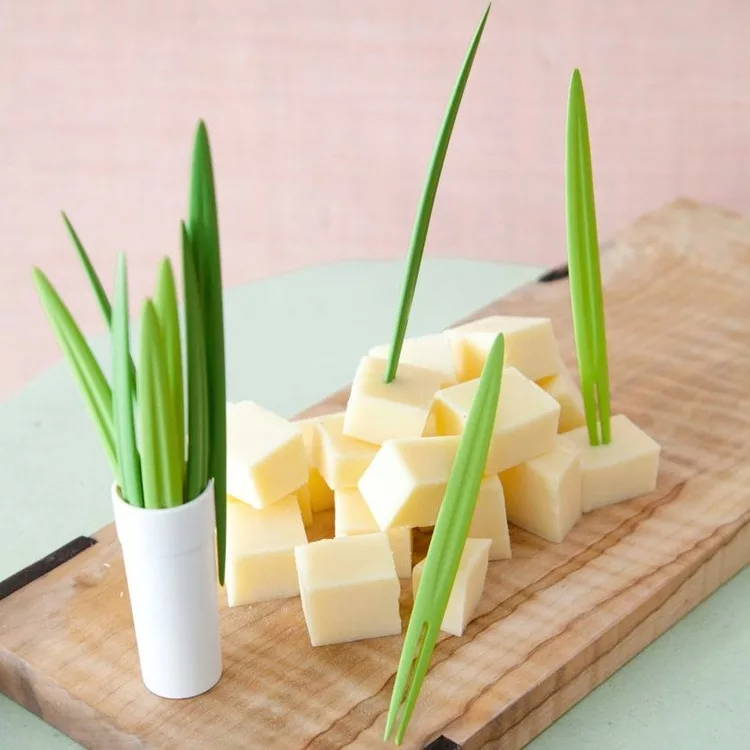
(352, 516)
(543, 495)
(305, 509)
(625, 468)
(265, 455)
(321, 495)
(341, 459)
(430, 429)
(467, 588)
(405, 483)
(563, 389)
(433, 352)
(525, 422)
(349, 588)
(260, 551)
(380, 411)
(489, 520)
(530, 346)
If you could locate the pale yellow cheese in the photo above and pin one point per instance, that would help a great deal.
(525, 422)
(563, 389)
(430, 429)
(530, 346)
(321, 495)
(266, 458)
(543, 495)
(627, 467)
(349, 588)
(467, 588)
(433, 352)
(260, 551)
(405, 483)
(489, 520)
(341, 459)
(305, 509)
(352, 516)
(378, 411)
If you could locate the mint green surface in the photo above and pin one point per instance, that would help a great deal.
(689, 690)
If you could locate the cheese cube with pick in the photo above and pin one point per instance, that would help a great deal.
(405, 484)
(625, 468)
(266, 458)
(489, 520)
(260, 551)
(341, 459)
(525, 422)
(349, 588)
(352, 516)
(467, 588)
(433, 352)
(543, 495)
(378, 411)
(319, 493)
(564, 390)
(530, 346)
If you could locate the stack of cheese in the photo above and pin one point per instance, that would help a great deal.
(383, 466)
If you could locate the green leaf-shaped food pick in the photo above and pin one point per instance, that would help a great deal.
(583, 264)
(161, 466)
(88, 267)
(424, 212)
(447, 545)
(165, 304)
(96, 284)
(197, 395)
(91, 381)
(203, 229)
(122, 390)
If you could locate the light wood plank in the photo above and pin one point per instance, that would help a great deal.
(554, 622)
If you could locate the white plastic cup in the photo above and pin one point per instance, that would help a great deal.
(170, 566)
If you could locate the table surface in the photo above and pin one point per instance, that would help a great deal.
(689, 689)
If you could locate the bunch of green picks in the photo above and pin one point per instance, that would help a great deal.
(141, 417)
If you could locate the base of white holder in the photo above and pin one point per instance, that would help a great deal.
(170, 565)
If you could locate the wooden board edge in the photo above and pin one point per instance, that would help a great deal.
(59, 708)
(676, 598)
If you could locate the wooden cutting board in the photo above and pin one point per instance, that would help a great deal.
(554, 621)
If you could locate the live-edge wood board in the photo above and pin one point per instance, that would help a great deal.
(554, 621)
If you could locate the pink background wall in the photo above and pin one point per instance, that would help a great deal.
(322, 116)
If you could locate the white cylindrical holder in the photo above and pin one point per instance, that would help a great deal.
(170, 566)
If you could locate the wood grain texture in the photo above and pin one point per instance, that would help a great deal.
(554, 621)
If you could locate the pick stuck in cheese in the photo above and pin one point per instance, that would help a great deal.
(627, 467)
(467, 588)
(349, 588)
(433, 352)
(525, 422)
(265, 455)
(378, 411)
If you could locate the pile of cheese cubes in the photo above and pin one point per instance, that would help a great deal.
(382, 466)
